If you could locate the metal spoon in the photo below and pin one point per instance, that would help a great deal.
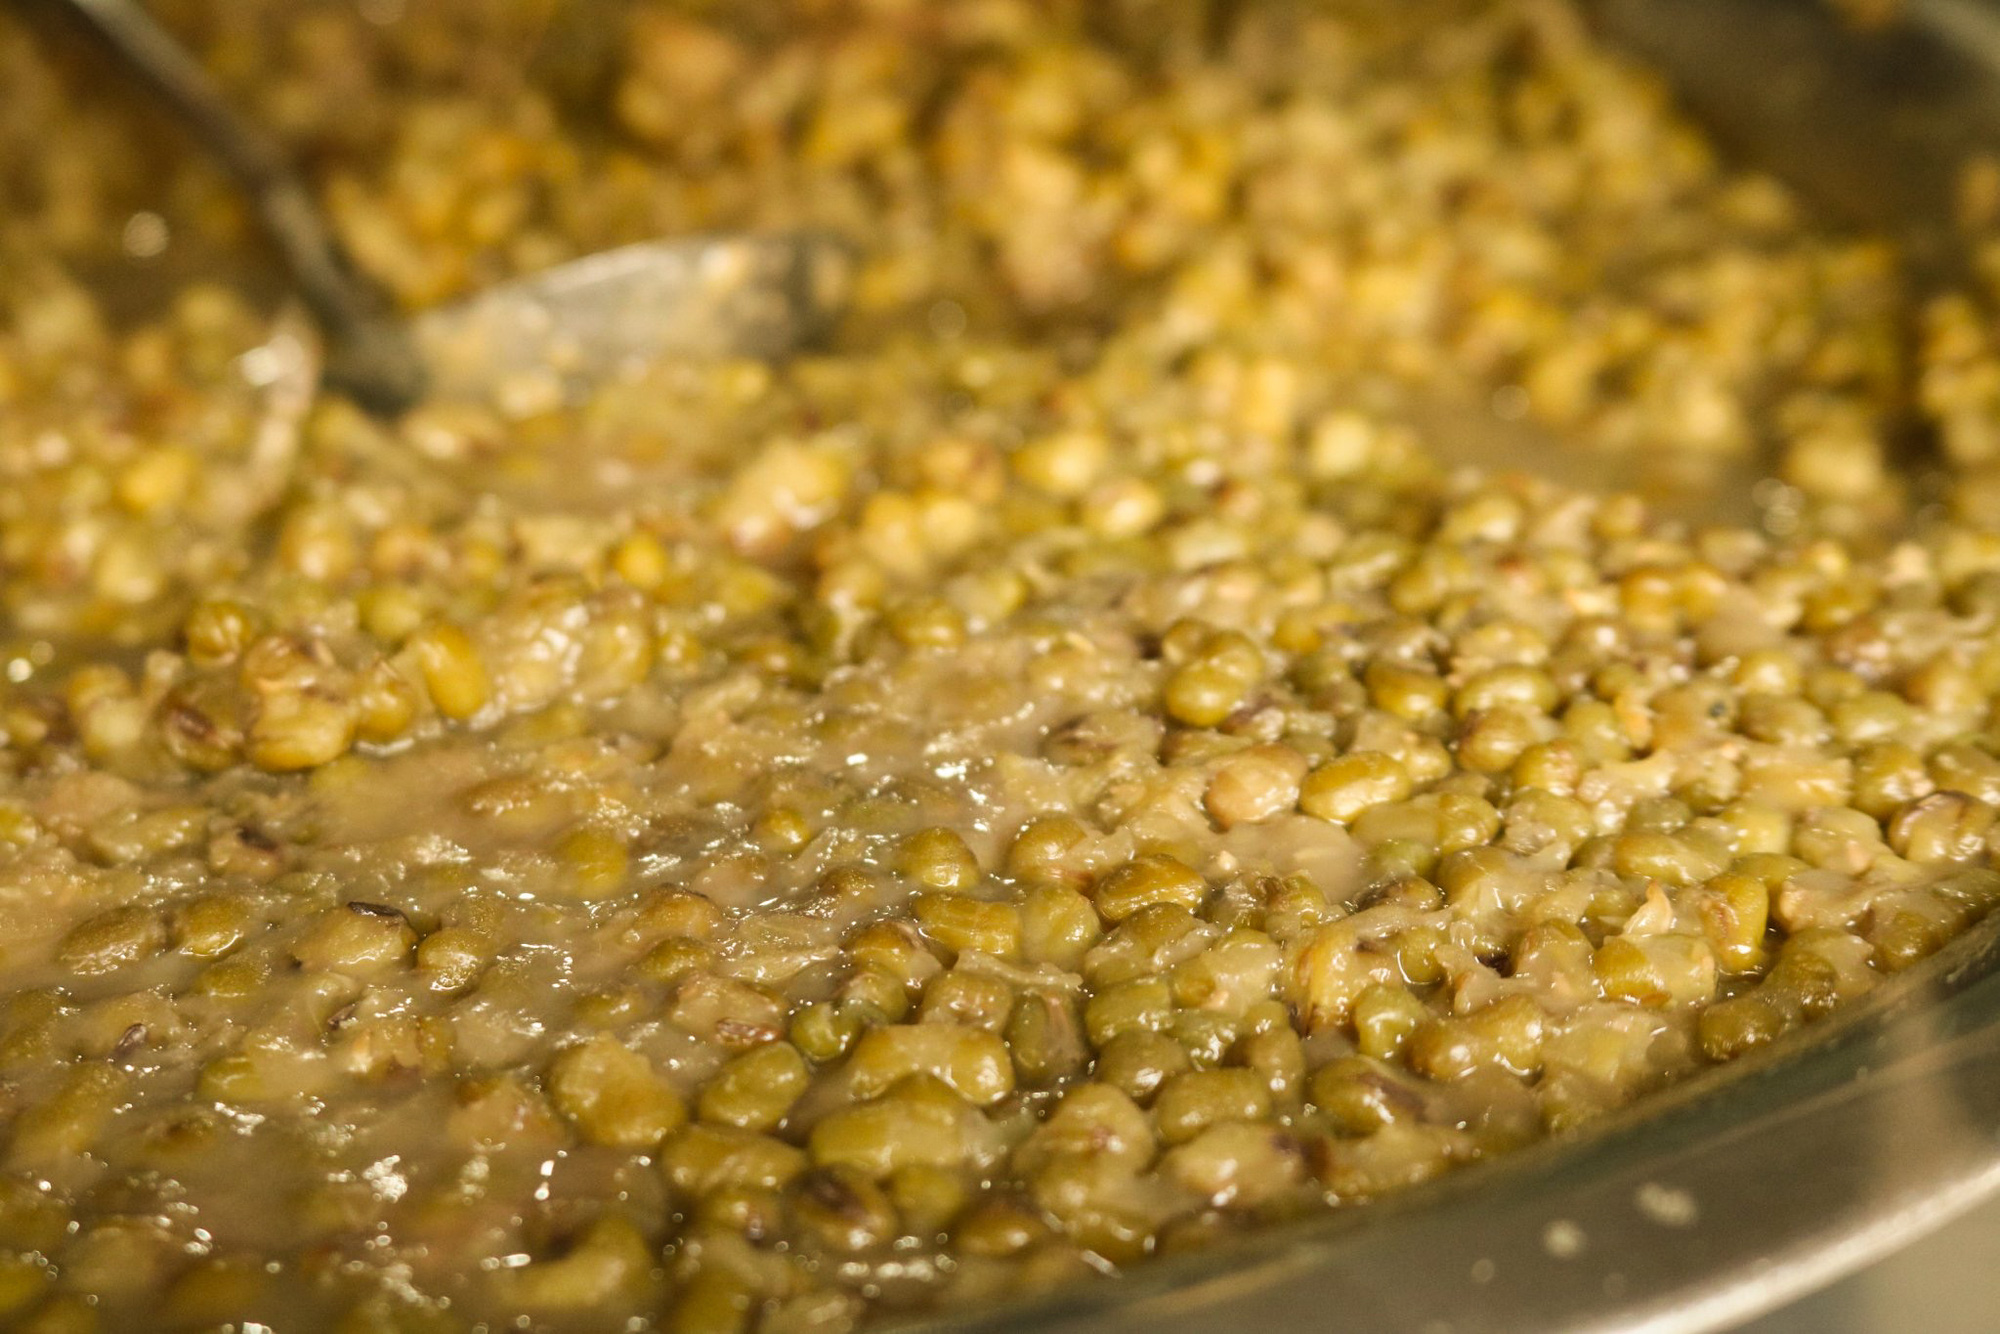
(554, 332)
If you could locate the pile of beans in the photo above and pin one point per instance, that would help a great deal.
(1065, 773)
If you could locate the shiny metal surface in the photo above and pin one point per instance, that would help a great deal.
(1941, 1284)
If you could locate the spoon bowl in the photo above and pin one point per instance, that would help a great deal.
(550, 337)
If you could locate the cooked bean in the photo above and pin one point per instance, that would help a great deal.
(1255, 784)
(972, 1062)
(915, 1125)
(1237, 1166)
(1342, 789)
(755, 1090)
(1190, 1102)
(700, 1159)
(1155, 878)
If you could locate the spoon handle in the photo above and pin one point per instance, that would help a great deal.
(370, 354)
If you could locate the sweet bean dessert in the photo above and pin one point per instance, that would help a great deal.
(1114, 750)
